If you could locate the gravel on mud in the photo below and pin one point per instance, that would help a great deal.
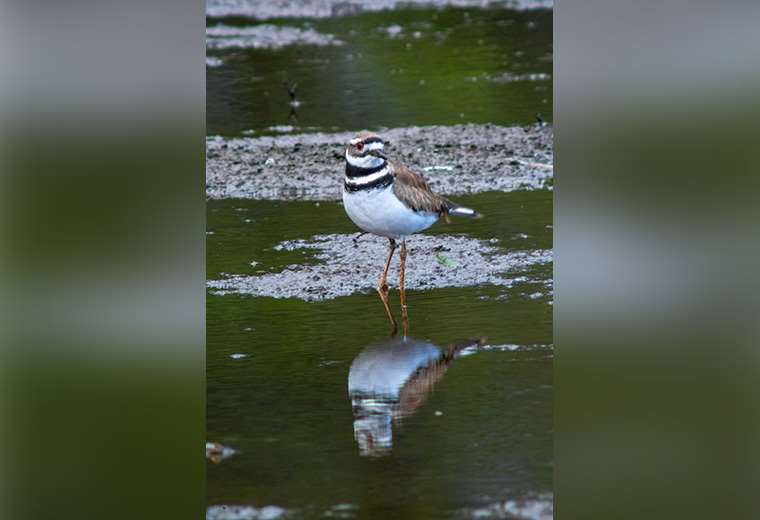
(346, 267)
(455, 160)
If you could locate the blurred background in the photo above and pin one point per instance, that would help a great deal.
(656, 238)
(103, 259)
(103, 353)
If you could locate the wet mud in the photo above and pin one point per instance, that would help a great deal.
(459, 159)
(346, 267)
(266, 9)
(223, 37)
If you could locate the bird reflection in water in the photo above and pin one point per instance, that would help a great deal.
(294, 102)
(391, 380)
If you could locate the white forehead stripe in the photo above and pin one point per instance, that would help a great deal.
(366, 179)
(376, 145)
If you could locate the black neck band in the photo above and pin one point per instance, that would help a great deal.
(353, 172)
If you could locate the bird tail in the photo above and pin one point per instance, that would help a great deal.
(454, 349)
(461, 211)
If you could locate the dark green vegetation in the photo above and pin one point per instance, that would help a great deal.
(460, 57)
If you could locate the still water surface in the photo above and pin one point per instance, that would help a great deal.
(446, 66)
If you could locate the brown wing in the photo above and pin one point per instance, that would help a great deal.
(411, 189)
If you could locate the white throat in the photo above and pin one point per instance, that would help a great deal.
(368, 161)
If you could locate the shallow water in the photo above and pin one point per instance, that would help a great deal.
(395, 68)
(480, 436)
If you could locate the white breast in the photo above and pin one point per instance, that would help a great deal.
(378, 211)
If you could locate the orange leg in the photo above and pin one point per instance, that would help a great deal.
(384, 298)
(402, 291)
(382, 286)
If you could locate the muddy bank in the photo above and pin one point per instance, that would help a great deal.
(536, 508)
(232, 512)
(266, 9)
(225, 512)
(347, 267)
(223, 37)
(455, 160)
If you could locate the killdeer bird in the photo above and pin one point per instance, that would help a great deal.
(385, 198)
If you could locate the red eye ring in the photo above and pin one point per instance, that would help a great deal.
(360, 146)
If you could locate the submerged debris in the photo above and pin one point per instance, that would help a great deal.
(348, 269)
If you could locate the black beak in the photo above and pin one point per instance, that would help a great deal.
(378, 153)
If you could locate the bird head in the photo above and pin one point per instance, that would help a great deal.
(365, 150)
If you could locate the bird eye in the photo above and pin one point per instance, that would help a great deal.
(360, 146)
